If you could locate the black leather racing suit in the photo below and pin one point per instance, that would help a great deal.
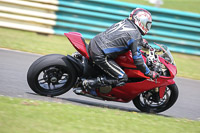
(117, 39)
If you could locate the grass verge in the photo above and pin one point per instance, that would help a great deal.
(36, 43)
(33, 42)
(28, 116)
(182, 5)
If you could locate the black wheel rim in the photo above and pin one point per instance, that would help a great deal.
(152, 106)
(53, 79)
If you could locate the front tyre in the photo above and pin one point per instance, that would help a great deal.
(146, 103)
(51, 75)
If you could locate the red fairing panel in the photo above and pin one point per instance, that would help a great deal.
(126, 61)
(131, 90)
(172, 68)
(76, 39)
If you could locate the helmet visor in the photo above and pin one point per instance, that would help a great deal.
(148, 25)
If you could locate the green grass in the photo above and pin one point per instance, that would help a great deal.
(35, 43)
(182, 5)
(187, 65)
(28, 116)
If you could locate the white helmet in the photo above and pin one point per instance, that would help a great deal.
(142, 18)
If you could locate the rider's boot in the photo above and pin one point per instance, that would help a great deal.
(91, 84)
(113, 82)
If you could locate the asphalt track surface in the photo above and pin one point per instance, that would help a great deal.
(14, 66)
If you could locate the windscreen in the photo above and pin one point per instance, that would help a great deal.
(166, 53)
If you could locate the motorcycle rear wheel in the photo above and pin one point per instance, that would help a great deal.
(51, 75)
(146, 105)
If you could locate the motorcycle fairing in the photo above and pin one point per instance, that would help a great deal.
(172, 69)
(126, 62)
(135, 88)
(78, 42)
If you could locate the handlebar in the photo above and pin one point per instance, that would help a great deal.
(152, 49)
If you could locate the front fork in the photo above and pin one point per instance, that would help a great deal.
(160, 91)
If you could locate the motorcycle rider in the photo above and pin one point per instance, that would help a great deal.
(117, 39)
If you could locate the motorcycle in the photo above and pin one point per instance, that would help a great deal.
(55, 74)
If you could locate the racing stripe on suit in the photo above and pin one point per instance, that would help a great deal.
(115, 68)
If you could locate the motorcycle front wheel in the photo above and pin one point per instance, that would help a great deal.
(145, 103)
(51, 75)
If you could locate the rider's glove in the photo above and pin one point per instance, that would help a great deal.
(152, 75)
(145, 44)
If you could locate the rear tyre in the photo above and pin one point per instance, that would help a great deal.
(51, 75)
(144, 101)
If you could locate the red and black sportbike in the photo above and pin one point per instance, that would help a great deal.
(55, 74)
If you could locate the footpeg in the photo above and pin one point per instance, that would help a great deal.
(78, 91)
(91, 83)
